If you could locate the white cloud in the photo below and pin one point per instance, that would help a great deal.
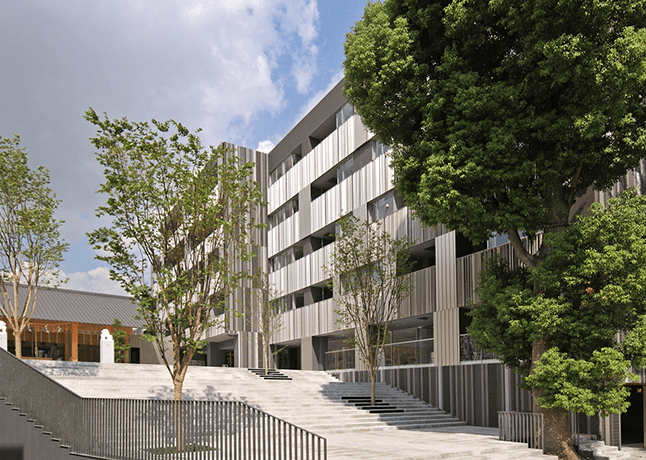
(95, 280)
(265, 146)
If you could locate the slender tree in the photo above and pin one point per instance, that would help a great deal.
(30, 244)
(182, 217)
(368, 267)
(265, 315)
(502, 113)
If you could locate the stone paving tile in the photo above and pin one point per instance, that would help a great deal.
(454, 442)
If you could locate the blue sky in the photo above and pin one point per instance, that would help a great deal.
(244, 71)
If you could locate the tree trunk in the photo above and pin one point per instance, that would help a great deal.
(373, 392)
(18, 341)
(265, 350)
(178, 383)
(557, 437)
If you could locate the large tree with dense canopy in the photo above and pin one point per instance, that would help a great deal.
(502, 112)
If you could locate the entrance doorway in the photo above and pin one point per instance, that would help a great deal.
(632, 421)
(289, 358)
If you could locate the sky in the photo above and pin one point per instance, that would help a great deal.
(245, 71)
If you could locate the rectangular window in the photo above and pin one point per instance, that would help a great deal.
(382, 207)
(380, 148)
(284, 212)
(287, 164)
(345, 170)
(344, 114)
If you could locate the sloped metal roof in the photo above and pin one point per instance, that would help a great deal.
(81, 307)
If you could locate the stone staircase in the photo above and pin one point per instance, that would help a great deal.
(311, 400)
(590, 448)
(271, 374)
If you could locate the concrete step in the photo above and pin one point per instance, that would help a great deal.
(295, 400)
(593, 449)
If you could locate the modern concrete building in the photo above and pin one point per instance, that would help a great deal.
(328, 165)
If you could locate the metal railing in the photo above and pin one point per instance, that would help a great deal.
(152, 429)
(524, 427)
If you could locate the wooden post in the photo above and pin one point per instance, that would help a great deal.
(74, 346)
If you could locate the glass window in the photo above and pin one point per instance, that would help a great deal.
(383, 206)
(344, 114)
(497, 239)
(380, 148)
(345, 170)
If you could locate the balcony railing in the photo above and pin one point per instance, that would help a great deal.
(411, 353)
(525, 427)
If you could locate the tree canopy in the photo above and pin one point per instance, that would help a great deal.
(592, 286)
(501, 112)
(182, 218)
(30, 244)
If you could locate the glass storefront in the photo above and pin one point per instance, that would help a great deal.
(409, 353)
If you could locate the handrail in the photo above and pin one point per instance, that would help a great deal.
(143, 429)
(526, 427)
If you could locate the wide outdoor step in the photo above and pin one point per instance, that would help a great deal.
(295, 400)
(311, 400)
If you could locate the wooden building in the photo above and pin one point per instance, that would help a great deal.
(66, 325)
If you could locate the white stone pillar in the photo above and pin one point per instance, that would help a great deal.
(107, 347)
(3, 335)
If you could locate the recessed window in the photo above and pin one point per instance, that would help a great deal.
(284, 212)
(497, 239)
(382, 207)
(344, 114)
(287, 164)
(380, 148)
(345, 170)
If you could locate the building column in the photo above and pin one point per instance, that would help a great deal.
(313, 351)
(446, 318)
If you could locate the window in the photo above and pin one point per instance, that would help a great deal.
(287, 164)
(344, 114)
(380, 148)
(382, 207)
(284, 212)
(345, 170)
(285, 258)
